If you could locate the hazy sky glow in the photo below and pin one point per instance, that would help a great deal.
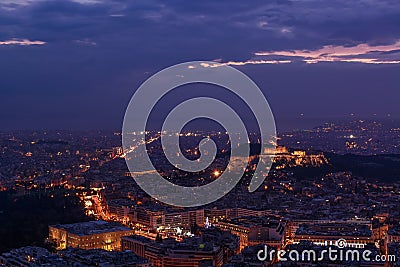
(75, 64)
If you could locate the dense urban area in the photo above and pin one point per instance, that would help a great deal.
(68, 199)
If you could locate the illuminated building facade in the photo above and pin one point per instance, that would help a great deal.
(355, 234)
(255, 230)
(89, 235)
(170, 253)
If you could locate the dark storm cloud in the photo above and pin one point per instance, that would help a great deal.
(207, 26)
(86, 56)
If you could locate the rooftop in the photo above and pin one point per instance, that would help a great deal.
(334, 229)
(92, 227)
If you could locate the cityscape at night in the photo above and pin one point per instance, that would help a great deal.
(199, 133)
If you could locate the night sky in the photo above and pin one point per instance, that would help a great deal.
(75, 64)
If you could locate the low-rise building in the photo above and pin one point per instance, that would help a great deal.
(89, 235)
(37, 256)
(255, 230)
(354, 234)
(191, 252)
